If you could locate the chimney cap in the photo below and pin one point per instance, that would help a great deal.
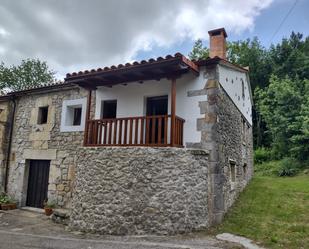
(217, 32)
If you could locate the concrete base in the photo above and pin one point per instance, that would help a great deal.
(32, 209)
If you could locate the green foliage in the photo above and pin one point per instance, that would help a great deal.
(199, 51)
(273, 211)
(262, 155)
(283, 105)
(5, 199)
(50, 204)
(269, 168)
(288, 167)
(30, 73)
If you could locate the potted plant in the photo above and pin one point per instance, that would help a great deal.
(48, 208)
(7, 203)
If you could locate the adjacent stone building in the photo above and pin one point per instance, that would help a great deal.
(160, 146)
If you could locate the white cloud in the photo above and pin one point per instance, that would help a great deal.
(74, 34)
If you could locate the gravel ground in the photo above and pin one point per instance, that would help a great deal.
(23, 229)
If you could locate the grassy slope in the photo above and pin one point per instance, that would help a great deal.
(273, 211)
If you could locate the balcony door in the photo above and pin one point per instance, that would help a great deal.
(156, 106)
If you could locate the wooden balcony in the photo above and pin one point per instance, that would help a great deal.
(156, 131)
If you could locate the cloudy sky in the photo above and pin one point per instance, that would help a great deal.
(73, 35)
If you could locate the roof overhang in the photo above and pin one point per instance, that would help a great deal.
(168, 67)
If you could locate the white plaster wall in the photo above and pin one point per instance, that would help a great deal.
(230, 80)
(131, 100)
(67, 117)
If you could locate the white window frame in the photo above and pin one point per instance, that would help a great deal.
(64, 114)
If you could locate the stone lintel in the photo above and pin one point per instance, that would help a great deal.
(200, 92)
(211, 83)
(198, 152)
(49, 154)
(39, 136)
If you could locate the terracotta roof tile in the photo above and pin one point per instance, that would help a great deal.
(127, 65)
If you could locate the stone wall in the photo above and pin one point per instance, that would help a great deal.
(35, 141)
(5, 123)
(228, 137)
(127, 190)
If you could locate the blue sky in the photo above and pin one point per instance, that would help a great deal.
(264, 28)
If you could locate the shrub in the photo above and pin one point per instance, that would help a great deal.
(267, 168)
(49, 205)
(288, 167)
(4, 199)
(262, 155)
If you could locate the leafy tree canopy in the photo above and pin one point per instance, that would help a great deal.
(199, 51)
(30, 73)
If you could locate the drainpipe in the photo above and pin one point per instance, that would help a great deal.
(6, 180)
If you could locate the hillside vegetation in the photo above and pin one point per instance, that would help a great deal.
(274, 211)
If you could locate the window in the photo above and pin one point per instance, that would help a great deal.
(73, 115)
(244, 130)
(245, 170)
(232, 171)
(109, 109)
(77, 116)
(42, 115)
(243, 88)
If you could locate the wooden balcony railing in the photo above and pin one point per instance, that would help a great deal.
(135, 131)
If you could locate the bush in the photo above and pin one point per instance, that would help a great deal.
(288, 167)
(4, 199)
(262, 155)
(284, 167)
(267, 168)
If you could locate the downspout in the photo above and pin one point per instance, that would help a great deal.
(6, 180)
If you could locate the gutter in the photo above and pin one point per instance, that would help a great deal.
(7, 165)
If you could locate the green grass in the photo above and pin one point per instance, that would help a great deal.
(273, 211)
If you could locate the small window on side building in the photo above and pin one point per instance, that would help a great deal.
(43, 115)
(243, 89)
(233, 171)
(245, 170)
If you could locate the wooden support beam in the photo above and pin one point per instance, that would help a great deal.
(173, 110)
(87, 119)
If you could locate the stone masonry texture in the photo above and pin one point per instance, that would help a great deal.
(140, 190)
(228, 137)
(33, 141)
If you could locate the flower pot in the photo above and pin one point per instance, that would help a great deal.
(8, 206)
(48, 211)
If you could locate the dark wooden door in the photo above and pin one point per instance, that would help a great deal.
(156, 106)
(37, 183)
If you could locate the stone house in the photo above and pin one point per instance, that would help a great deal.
(160, 146)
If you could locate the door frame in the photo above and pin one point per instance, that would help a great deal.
(27, 178)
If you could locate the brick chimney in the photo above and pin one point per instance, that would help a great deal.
(217, 43)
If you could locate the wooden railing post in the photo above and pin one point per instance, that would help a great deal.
(105, 132)
(86, 135)
(173, 110)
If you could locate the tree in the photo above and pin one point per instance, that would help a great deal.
(30, 73)
(284, 107)
(291, 57)
(199, 51)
